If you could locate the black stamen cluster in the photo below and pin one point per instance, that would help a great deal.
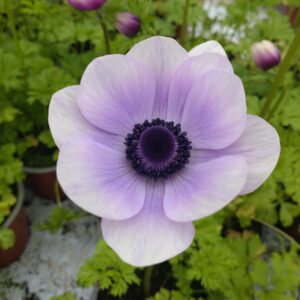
(182, 152)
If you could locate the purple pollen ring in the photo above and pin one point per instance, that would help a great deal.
(158, 148)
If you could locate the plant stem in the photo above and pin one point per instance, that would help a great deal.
(57, 194)
(283, 67)
(184, 21)
(279, 231)
(147, 281)
(275, 106)
(105, 31)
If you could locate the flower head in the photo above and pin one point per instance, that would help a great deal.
(155, 139)
(128, 24)
(265, 55)
(86, 4)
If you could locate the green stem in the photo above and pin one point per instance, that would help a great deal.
(57, 193)
(147, 281)
(105, 31)
(283, 67)
(280, 232)
(275, 106)
(184, 21)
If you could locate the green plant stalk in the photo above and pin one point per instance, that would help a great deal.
(283, 68)
(275, 106)
(184, 21)
(279, 232)
(57, 194)
(147, 281)
(105, 31)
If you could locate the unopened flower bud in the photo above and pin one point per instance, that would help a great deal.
(128, 24)
(265, 55)
(86, 4)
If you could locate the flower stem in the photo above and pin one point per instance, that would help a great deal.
(184, 21)
(57, 194)
(269, 115)
(147, 281)
(283, 67)
(104, 30)
(279, 231)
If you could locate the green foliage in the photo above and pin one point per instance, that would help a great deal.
(106, 270)
(65, 296)
(7, 238)
(46, 45)
(10, 172)
(59, 217)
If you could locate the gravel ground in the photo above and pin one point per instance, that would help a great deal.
(49, 264)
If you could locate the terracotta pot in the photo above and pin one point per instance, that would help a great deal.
(17, 221)
(43, 182)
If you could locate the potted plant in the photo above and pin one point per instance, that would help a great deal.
(36, 56)
(14, 229)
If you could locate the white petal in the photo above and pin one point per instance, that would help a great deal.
(260, 146)
(163, 56)
(99, 179)
(150, 237)
(208, 47)
(203, 189)
(66, 121)
(116, 92)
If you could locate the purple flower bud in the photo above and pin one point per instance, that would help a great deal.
(265, 55)
(128, 24)
(87, 4)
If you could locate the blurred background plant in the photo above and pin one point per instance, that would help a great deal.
(250, 249)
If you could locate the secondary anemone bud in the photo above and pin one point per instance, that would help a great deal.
(265, 55)
(86, 4)
(128, 24)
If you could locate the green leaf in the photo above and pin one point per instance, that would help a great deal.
(7, 238)
(108, 271)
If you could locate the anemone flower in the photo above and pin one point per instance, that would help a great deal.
(265, 55)
(86, 4)
(128, 24)
(155, 139)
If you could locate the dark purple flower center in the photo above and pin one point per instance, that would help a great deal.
(158, 148)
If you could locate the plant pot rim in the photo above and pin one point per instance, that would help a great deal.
(18, 206)
(38, 170)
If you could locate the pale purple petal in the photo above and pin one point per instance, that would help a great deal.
(187, 75)
(208, 47)
(116, 92)
(203, 189)
(150, 237)
(99, 179)
(215, 112)
(163, 56)
(66, 121)
(260, 146)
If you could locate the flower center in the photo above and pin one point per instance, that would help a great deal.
(158, 148)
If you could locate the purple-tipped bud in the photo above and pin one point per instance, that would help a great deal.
(86, 4)
(128, 24)
(265, 55)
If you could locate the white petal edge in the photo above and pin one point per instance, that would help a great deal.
(260, 145)
(162, 55)
(150, 237)
(208, 47)
(66, 121)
